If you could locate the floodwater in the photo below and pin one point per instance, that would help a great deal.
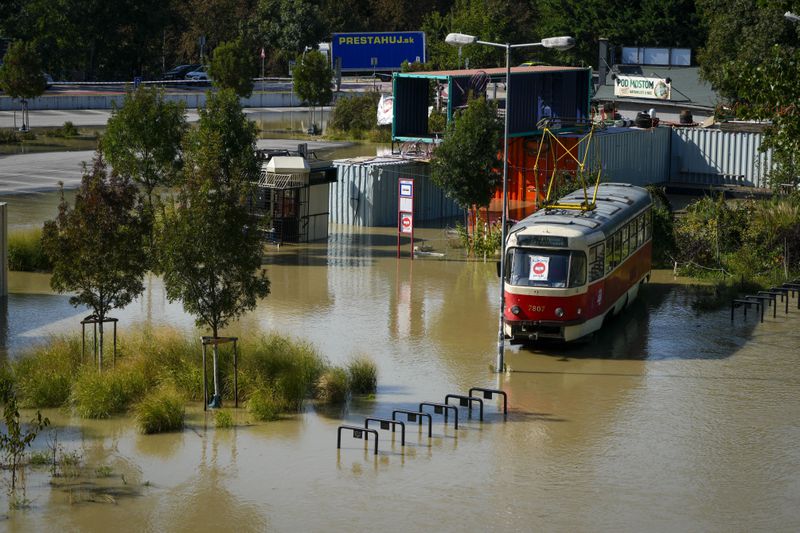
(666, 421)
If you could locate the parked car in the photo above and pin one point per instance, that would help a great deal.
(179, 72)
(199, 74)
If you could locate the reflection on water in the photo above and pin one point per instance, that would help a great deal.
(665, 421)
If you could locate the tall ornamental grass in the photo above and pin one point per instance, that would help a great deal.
(25, 253)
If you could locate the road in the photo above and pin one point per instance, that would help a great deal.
(40, 172)
(50, 118)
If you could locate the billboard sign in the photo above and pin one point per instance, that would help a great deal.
(640, 87)
(377, 50)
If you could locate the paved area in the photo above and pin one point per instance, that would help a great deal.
(51, 118)
(39, 172)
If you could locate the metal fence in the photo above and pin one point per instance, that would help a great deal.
(625, 155)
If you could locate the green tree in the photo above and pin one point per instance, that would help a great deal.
(97, 247)
(14, 439)
(21, 75)
(233, 67)
(143, 139)
(209, 243)
(312, 80)
(465, 163)
(222, 116)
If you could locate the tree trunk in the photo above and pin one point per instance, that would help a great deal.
(100, 347)
(217, 398)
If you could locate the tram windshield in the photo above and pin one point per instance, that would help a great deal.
(534, 267)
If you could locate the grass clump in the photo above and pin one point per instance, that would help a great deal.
(160, 411)
(223, 418)
(103, 394)
(40, 458)
(43, 376)
(334, 386)
(25, 252)
(363, 373)
(265, 404)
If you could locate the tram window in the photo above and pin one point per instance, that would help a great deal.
(534, 267)
(596, 262)
(635, 234)
(577, 269)
(609, 259)
(648, 224)
(617, 248)
(626, 248)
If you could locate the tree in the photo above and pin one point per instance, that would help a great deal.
(14, 440)
(312, 80)
(21, 75)
(465, 163)
(143, 139)
(236, 159)
(209, 243)
(233, 67)
(97, 247)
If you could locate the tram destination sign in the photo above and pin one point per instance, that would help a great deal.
(551, 241)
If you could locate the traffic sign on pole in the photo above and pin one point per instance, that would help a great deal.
(405, 212)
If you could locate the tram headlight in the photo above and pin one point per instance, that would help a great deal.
(559, 312)
(515, 310)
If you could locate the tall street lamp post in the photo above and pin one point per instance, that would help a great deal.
(556, 43)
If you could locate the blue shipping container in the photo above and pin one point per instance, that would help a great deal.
(377, 50)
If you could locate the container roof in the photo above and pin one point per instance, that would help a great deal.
(489, 71)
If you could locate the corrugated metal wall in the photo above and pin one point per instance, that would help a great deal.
(366, 193)
(639, 157)
(713, 157)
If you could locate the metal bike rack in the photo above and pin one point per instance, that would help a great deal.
(795, 287)
(466, 401)
(488, 393)
(438, 408)
(764, 298)
(775, 293)
(414, 416)
(745, 303)
(358, 433)
(387, 424)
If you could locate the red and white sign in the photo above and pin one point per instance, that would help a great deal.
(540, 266)
(406, 223)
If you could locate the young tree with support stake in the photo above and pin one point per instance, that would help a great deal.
(21, 75)
(312, 80)
(209, 243)
(96, 248)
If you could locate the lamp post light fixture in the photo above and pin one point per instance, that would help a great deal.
(791, 16)
(554, 43)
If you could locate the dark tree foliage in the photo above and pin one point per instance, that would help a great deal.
(97, 247)
(465, 165)
(21, 71)
(312, 79)
(233, 66)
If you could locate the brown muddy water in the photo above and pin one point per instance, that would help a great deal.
(667, 421)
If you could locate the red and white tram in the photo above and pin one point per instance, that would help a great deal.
(568, 270)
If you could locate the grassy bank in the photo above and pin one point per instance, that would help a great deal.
(158, 371)
(25, 253)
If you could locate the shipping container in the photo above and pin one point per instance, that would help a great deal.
(560, 94)
(366, 193)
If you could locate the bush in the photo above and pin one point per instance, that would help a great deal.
(160, 411)
(356, 113)
(103, 394)
(25, 253)
(334, 386)
(65, 131)
(363, 375)
(44, 374)
(8, 136)
(223, 418)
(265, 404)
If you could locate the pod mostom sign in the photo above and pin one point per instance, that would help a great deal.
(377, 51)
(641, 87)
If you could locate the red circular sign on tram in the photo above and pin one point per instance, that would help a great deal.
(538, 268)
